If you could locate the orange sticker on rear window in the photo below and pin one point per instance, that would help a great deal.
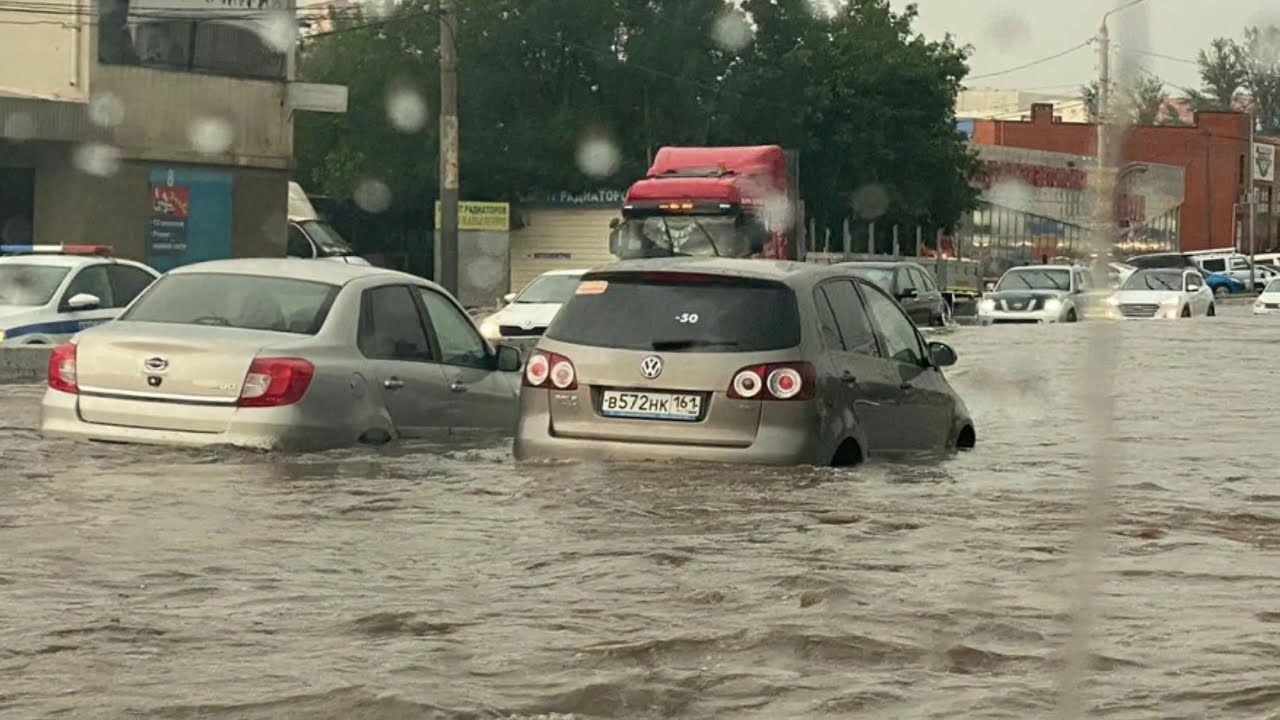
(593, 287)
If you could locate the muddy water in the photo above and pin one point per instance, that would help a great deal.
(425, 582)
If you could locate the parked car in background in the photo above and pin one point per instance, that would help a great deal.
(1037, 294)
(1230, 263)
(528, 312)
(1163, 293)
(733, 360)
(1268, 303)
(1222, 285)
(911, 285)
(281, 354)
(50, 292)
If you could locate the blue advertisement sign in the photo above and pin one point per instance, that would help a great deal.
(190, 218)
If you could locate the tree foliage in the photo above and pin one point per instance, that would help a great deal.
(864, 99)
(1141, 102)
(1243, 73)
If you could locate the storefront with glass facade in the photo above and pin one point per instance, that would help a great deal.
(1037, 207)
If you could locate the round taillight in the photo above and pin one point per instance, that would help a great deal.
(562, 374)
(747, 383)
(784, 383)
(537, 369)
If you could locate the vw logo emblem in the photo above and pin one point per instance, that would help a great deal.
(526, 325)
(651, 367)
(155, 364)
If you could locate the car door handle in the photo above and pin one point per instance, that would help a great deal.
(458, 386)
(393, 383)
(871, 403)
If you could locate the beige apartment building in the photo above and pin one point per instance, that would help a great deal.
(163, 128)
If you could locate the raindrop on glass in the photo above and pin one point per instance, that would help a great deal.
(406, 109)
(598, 157)
(279, 31)
(731, 30)
(210, 135)
(96, 159)
(106, 110)
(372, 196)
(870, 201)
(18, 127)
(1009, 29)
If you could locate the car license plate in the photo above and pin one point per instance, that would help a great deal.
(650, 406)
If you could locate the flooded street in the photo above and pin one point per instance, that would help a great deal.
(422, 582)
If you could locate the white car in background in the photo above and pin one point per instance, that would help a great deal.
(1162, 293)
(1268, 303)
(528, 313)
(50, 292)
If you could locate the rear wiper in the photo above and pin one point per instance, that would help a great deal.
(684, 344)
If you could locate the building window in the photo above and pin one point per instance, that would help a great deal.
(232, 39)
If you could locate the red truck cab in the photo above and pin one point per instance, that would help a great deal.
(721, 201)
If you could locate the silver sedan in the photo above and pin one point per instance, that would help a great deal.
(281, 354)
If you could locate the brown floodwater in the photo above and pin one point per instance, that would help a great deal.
(424, 581)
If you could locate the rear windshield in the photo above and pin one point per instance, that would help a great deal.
(251, 302)
(675, 312)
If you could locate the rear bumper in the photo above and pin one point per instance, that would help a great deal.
(775, 444)
(264, 429)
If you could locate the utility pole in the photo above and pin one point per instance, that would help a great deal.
(447, 234)
(1249, 195)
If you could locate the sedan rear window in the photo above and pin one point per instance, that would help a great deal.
(251, 302)
(679, 312)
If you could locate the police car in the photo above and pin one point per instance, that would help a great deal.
(50, 292)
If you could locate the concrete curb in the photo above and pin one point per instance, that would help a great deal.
(24, 364)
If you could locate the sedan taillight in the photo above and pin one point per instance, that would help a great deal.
(62, 369)
(275, 382)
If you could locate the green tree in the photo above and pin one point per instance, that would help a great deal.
(1259, 58)
(863, 98)
(1222, 74)
(1142, 102)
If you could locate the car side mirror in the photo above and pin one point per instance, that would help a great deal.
(908, 293)
(509, 359)
(941, 354)
(990, 286)
(509, 298)
(84, 301)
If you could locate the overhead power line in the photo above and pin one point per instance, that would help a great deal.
(1033, 63)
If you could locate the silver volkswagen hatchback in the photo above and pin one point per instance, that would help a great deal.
(726, 360)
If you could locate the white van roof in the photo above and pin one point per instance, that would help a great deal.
(300, 208)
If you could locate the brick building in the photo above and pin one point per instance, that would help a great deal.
(1213, 152)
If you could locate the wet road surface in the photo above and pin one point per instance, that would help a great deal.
(422, 582)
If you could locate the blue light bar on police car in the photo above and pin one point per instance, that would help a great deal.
(55, 249)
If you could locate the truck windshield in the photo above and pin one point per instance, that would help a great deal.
(326, 238)
(662, 236)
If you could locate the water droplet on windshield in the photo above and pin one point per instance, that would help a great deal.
(1008, 29)
(372, 196)
(870, 201)
(210, 135)
(406, 109)
(279, 31)
(731, 30)
(96, 159)
(106, 110)
(598, 156)
(1013, 194)
(18, 127)
(777, 211)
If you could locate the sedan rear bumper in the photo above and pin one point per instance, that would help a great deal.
(260, 429)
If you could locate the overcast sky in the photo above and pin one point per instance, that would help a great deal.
(1009, 33)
